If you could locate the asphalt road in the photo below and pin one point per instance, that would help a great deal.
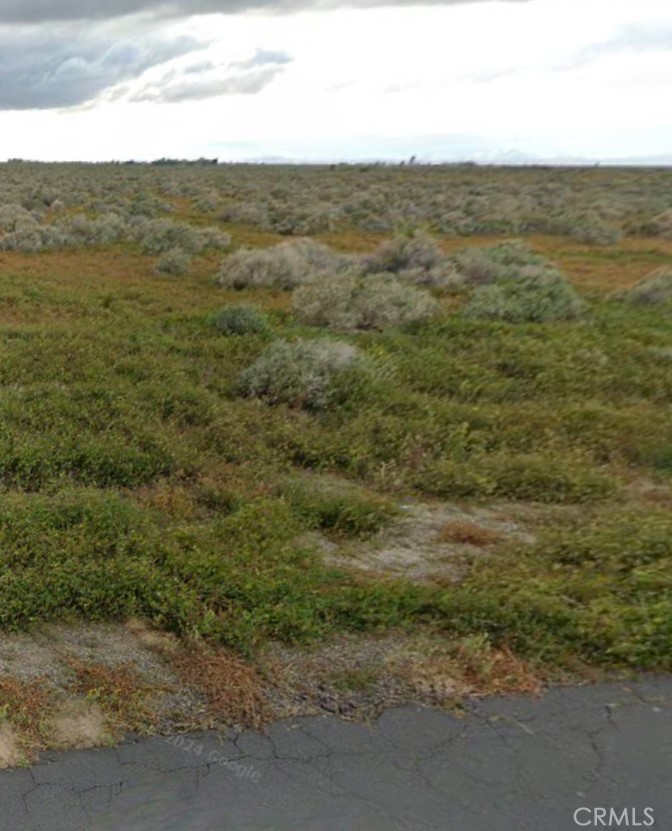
(510, 764)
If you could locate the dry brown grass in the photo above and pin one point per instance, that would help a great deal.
(25, 703)
(24, 708)
(121, 279)
(360, 676)
(469, 666)
(468, 533)
(604, 270)
(119, 690)
(490, 671)
(352, 241)
(231, 686)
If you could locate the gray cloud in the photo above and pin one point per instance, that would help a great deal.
(198, 68)
(263, 57)
(633, 39)
(629, 39)
(248, 84)
(63, 69)
(238, 78)
(45, 65)
(39, 11)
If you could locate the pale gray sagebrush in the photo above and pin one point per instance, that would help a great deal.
(173, 263)
(283, 266)
(654, 289)
(415, 250)
(312, 374)
(355, 301)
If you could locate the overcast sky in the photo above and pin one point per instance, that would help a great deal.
(335, 79)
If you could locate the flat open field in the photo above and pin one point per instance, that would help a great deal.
(406, 460)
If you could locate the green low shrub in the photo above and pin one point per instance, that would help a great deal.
(600, 592)
(241, 319)
(83, 553)
(106, 461)
(658, 457)
(337, 505)
(537, 296)
(174, 263)
(527, 477)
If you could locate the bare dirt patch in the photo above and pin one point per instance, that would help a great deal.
(417, 546)
(78, 724)
(10, 747)
(24, 706)
(646, 491)
(27, 657)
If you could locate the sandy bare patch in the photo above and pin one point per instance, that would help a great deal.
(10, 747)
(161, 642)
(76, 724)
(112, 645)
(43, 653)
(416, 545)
(649, 492)
(28, 657)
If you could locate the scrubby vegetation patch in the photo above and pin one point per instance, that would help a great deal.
(313, 374)
(356, 301)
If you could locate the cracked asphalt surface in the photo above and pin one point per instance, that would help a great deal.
(508, 764)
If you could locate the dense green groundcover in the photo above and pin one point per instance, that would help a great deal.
(139, 479)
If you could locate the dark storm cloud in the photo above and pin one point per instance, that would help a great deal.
(42, 71)
(39, 11)
(238, 78)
